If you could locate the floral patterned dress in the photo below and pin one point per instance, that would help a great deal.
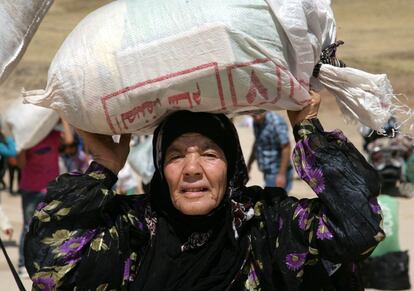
(85, 237)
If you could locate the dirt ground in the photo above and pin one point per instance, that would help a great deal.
(378, 35)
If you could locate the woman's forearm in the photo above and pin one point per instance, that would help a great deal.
(346, 215)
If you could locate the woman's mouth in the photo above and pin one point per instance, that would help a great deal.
(198, 189)
(194, 191)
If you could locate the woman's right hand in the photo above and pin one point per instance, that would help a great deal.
(105, 151)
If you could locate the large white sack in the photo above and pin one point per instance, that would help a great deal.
(19, 20)
(130, 62)
(310, 27)
(29, 124)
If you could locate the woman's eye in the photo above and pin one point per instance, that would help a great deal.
(210, 155)
(173, 157)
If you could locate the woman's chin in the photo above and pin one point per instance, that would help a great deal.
(195, 207)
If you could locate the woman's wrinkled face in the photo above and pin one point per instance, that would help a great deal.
(196, 172)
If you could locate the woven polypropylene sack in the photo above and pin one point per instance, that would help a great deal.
(29, 124)
(128, 64)
(19, 20)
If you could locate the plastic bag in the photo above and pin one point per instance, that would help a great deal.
(361, 96)
(391, 243)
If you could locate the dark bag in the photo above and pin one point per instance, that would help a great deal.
(387, 272)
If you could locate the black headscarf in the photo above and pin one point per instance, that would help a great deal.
(194, 252)
(217, 127)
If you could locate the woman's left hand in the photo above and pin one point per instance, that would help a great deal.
(105, 151)
(308, 112)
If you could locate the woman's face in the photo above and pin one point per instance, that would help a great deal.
(196, 172)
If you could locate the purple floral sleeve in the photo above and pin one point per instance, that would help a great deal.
(82, 223)
(343, 223)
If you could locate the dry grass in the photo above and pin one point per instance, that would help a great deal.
(379, 38)
(31, 72)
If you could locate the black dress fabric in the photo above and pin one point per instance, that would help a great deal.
(85, 236)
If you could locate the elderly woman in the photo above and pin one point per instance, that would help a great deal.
(200, 227)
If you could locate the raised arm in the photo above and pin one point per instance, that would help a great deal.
(105, 151)
(342, 225)
(82, 226)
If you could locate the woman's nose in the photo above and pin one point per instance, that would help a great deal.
(192, 166)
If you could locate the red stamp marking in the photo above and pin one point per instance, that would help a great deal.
(255, 87)
(139, 110)
(270, 92)
(123, 120)
(187, 96)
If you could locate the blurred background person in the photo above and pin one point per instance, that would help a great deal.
(73, 156)
(271, 149)
(39, 165)
(14, 175)
(7, 151)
